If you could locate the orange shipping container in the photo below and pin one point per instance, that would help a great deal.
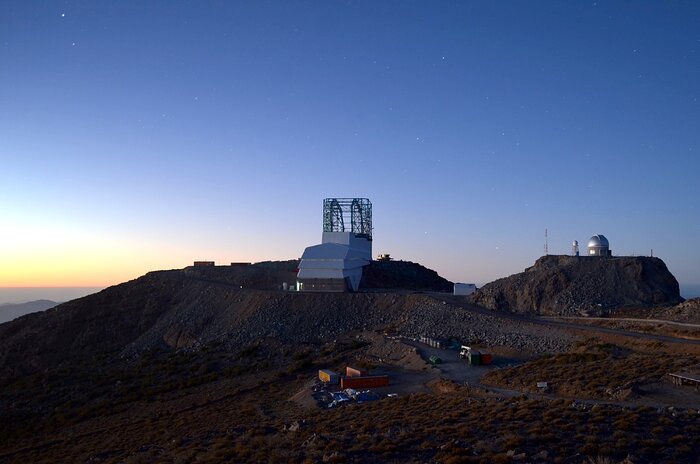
(354, 372)
(371, 381)
(328, 376)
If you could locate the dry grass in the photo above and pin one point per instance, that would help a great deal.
(240, 414)
(598, 371)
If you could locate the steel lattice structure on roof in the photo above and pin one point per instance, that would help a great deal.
(348, 215)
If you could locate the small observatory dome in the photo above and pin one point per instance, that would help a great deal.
(598, 245)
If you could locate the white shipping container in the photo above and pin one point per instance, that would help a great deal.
(464, 289)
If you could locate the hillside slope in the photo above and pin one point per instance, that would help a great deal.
(191, 308)
(567, 285)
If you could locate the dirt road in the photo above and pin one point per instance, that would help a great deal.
(628, 319)
(459, 302)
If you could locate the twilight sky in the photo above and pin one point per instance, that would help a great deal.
(137, 136)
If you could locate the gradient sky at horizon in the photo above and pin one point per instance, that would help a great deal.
(137, 136)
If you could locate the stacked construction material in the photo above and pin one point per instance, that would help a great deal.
(435, 343)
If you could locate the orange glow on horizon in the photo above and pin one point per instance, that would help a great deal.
(61, 257)
(39, 256)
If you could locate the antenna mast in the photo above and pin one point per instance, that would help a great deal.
(546, 245)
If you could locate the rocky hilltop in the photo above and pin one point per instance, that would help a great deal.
(234, 306)
(568, 285)
(270, 275)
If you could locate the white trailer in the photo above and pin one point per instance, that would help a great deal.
(464, 289)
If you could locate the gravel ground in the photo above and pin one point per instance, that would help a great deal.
(177, 310)
(295, 318)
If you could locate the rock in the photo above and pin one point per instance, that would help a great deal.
(330, 457)
(309, 440)
(568, 285)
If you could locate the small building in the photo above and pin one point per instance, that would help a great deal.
(598, 245)
(203, 263)
(384, 257)
(464, 289)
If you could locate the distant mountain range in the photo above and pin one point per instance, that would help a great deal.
(10, 311)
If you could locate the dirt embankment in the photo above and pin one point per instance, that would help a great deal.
(685, 312)
(567, 285)
(403, 275)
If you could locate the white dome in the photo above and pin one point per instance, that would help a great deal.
(598, 241)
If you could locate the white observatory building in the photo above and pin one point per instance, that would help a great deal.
(598, 245)
(336, 264)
